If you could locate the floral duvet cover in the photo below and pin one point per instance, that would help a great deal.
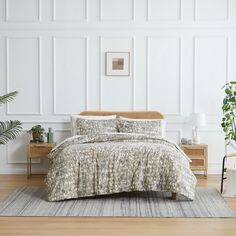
(90, 165)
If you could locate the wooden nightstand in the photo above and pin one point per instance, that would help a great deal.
(37, 150)
(199, 155)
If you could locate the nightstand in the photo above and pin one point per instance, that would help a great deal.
(199, 155)
(35, 151)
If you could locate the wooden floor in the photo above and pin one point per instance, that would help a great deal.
(70, 226)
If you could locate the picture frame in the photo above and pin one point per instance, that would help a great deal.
(117, 64)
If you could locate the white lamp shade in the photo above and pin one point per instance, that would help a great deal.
(197, 119)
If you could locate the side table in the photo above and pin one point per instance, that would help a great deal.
(35, 151)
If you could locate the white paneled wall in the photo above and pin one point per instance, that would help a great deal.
(205, 10)
(169, 10)
(69, 74)
(53, 53)
(23, 69)
(164, 53)
(117, 10)
(23, 10)
(209, 66)
(73, 10)
(116, 92)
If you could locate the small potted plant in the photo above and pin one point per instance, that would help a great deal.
(37, 132)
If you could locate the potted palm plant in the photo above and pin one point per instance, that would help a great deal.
(9, 130)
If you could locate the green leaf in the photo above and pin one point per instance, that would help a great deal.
(224, 101)
(227, 91)
(8, 97)
(225, 129)
(9, 130)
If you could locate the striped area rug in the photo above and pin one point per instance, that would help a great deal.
(31, 201)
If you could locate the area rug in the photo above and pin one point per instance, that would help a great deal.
(31, 201)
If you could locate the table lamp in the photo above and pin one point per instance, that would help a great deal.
(197, 120)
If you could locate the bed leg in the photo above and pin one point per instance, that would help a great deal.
(173, 196)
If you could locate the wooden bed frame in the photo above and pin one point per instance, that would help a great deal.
(129, 114)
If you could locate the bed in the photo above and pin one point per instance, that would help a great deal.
(130, 155)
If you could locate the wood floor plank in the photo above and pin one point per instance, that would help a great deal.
(113, 226)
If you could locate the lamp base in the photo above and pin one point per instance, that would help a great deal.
(196, 140)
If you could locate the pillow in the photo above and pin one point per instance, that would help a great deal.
(90, 119)
(144, 126)
(85, 127)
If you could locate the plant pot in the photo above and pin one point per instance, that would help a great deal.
(37, 136)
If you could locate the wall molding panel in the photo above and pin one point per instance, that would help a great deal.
(207, 135)
(39, 82)
(69, 19)
(25, 2)
(133, 69)
(55, 97)
(16, 151)
(130, 18)
(225, 75)
(169, 134)
(53, 52)
(103, 78)
(179, 73)
(164, 10)
(209, 5)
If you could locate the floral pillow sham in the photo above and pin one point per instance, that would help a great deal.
(86, 127)
(90, 120)
(144, 126)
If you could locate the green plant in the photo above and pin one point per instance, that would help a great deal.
(9, 130)
(229, 110)
(37, 132)
(36, 128)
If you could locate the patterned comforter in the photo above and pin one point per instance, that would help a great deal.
(89, 165)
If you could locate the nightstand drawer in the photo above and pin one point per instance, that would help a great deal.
(197, 163)
(194, 151)
(199, 156)
(37, 150)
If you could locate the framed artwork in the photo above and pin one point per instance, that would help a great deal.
(117, 64)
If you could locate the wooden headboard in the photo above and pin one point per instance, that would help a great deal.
(128, 114)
